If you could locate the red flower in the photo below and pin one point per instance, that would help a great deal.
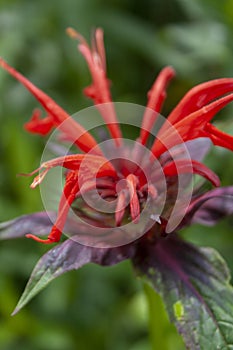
(124, 182)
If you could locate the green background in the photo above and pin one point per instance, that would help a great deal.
(97, 308)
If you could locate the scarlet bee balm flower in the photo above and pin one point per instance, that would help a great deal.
(129, 196)
(189, 120)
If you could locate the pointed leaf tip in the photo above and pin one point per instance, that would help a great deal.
(65, 257)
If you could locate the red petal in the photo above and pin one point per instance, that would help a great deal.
(156, 97)
(95, 164)
(39, 126)
(120, 207)
(218, 137)
(183, 166)
(41, 240)
(195, 124)
(69, 193)
(75, 131)
(199, 96)
(134, 202)
(99, 90)
(190, 127)
(98, 46)
(92, 166)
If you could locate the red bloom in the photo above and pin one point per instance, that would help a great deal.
(124, 182)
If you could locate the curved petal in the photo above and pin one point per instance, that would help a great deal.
(92, 166)
(182, 166)
(156, 97)
(218, 137)
(68, 196)
(199, 96)
(197, 149)
(134, 202)
(60, 118)
(99, 90)
(191, 127)
(194, 125)
(39, 126)
(120, 207)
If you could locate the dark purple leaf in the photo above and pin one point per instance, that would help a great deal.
(36, 223)
(194, 284)
(67, 256)
(210, 207)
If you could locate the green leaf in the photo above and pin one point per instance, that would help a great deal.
(194, 284)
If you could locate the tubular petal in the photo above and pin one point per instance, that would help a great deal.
(134, 202)
(96, 165)
(69, 194)
(194, 124)
(76, 35)
(218, 137)
(98, 46)
(39, 178)
(120, 207)
(190, 127)
(39, 126)
(60, 118)
(99, 90)
(183, 166)
(92, 166)
(156, 97)
(199, 96)
(41, 240)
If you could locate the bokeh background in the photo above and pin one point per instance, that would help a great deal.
(97, 308)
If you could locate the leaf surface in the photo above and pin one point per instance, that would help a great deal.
(194, 284)
(37, 223)
(67, 256)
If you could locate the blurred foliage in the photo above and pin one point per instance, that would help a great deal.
(96, 308)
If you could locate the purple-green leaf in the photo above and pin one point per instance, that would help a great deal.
(212, 206)
(36, 223)
(67, 256)
(194, 284)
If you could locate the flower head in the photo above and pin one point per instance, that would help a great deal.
(123, 183)
(130, 195)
